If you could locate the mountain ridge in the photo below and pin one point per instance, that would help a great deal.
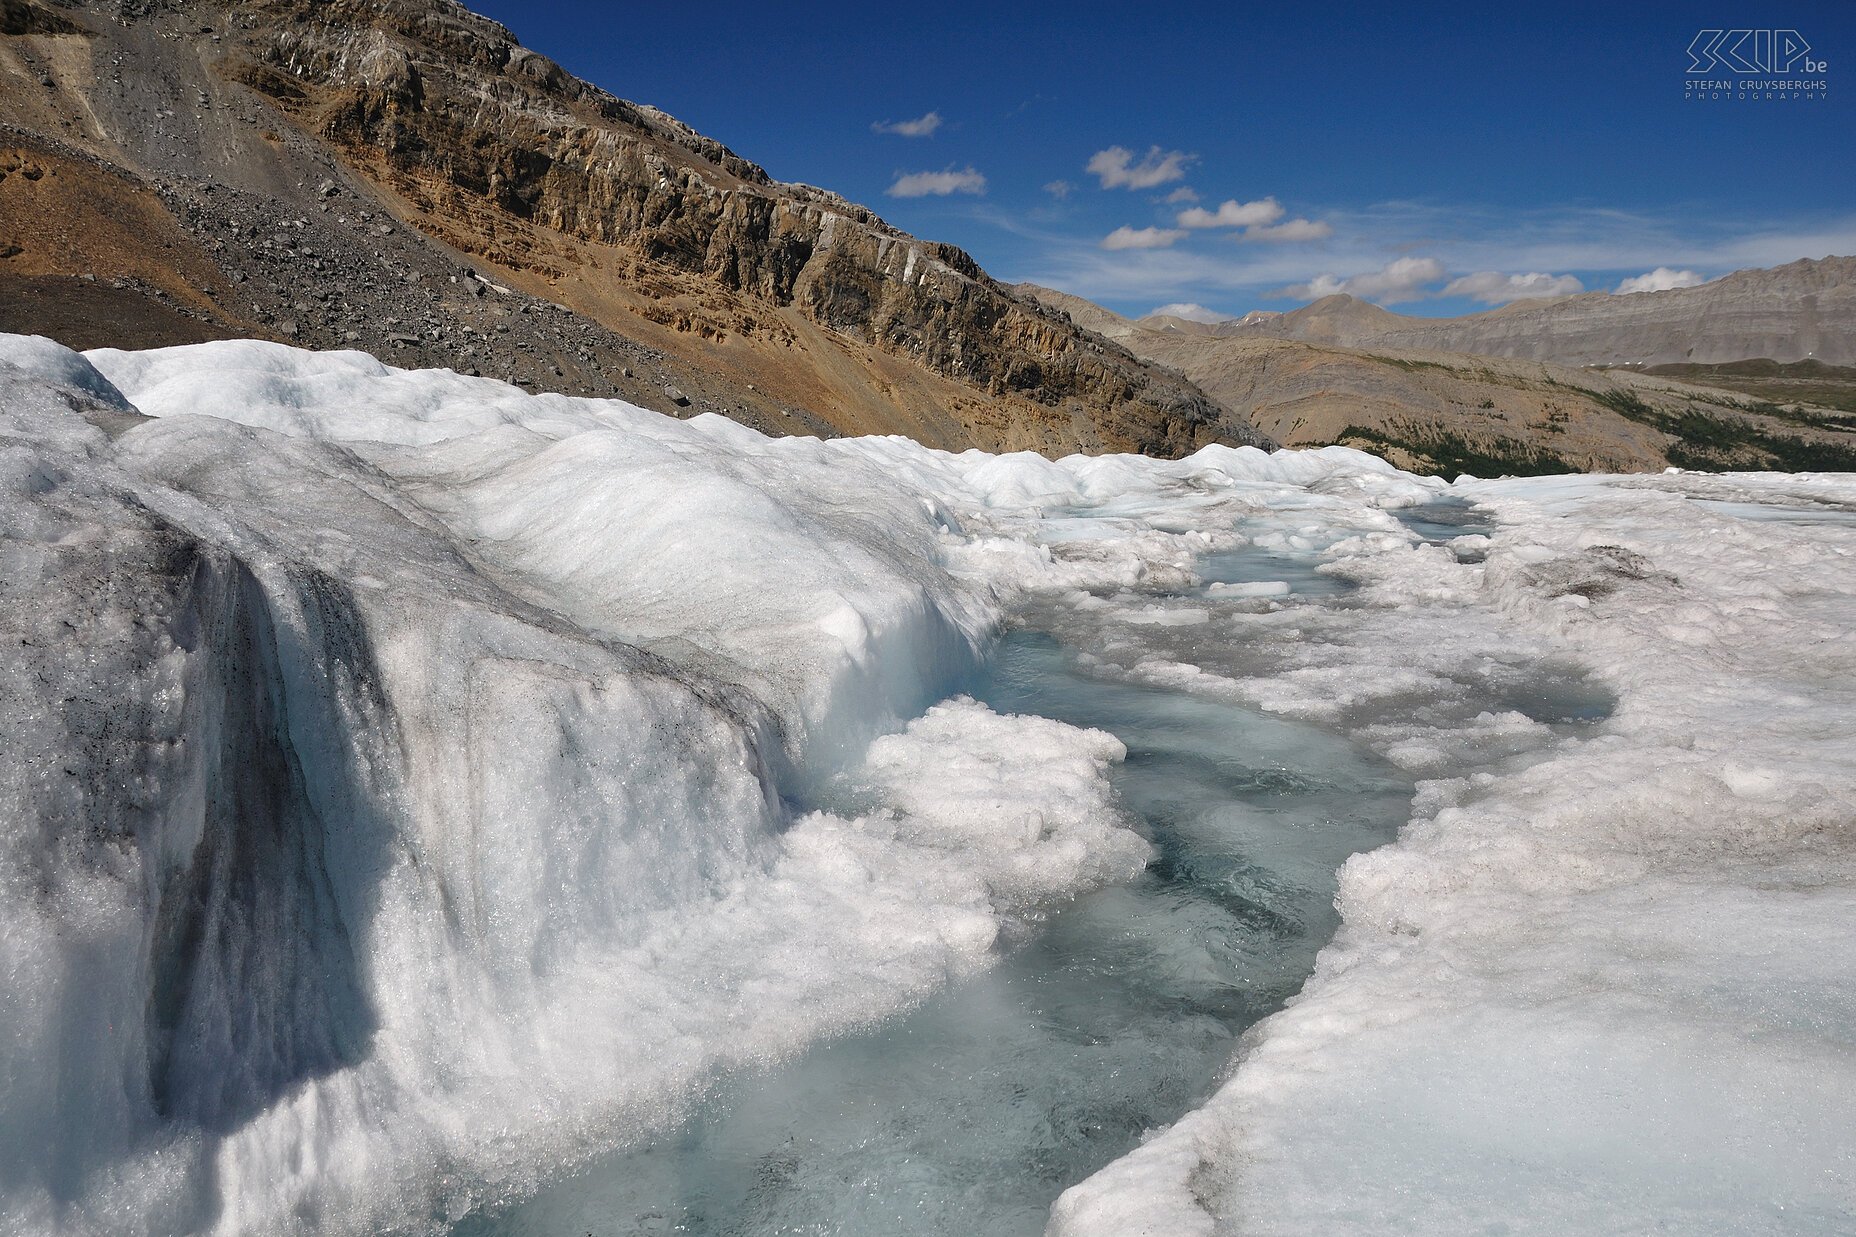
(1797, 311)
(413, 145)
(1435, 411)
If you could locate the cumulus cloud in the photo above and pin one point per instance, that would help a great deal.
(1291, 230)
(1060, 189)
(1233, 214)
(1314, 289)
(921, 126)
(1660, 280)
(1190, 311)
(937, 184)
(1495, 288)
(1401, 280)
(1141, 238)
(1185, 193)
(1116, 167)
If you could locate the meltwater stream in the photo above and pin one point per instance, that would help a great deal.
(1114, 1016)
(972, 1113)
(1119, 1013)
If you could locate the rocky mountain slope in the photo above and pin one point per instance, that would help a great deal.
(1811, 382)
(405, 178)
(1434, 411)
(1801, 311)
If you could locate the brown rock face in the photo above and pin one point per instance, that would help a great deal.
(25, 17)
(491, 142)
(401, 176)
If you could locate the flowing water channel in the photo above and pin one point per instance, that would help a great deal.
(1118, 1014)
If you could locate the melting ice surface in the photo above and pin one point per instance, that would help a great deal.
(970, 1114)
(1814, 513)
(1116, 1015)
(429, 804)
(1442, 520)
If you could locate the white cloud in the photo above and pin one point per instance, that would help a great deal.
(1060, 189)
(937, 184)
(1316, 288)
(1190, 311)
(1141, 238)
(1185, 193)
(1554, 237)
(1495, 288)
(1401, 280)
(1601, 239)
(1233, 214)
(921, 126)
(1660, 280)
(1154, 276)
(1408, 279)
(1117, 169)
(1291, 230)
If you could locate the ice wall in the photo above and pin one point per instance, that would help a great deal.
(387, 825)
(803, 573)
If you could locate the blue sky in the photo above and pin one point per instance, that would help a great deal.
(1438, 158)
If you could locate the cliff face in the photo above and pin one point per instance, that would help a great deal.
(787, 296)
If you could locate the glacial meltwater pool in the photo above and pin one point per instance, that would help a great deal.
(971, 1114)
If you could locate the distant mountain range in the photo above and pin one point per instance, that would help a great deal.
(1438, 411)
(1804, 310)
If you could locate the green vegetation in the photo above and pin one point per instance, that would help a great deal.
(1786, 454)
(1410, 365)
(1795, 416)
(1706, 441)
(1443, 453)
(1772, 383)
(1626, 404)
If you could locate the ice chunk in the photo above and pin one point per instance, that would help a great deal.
(52, 363)
(1249, 589)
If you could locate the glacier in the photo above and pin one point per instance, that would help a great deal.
(414, 788)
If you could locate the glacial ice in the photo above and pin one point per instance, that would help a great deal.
(968, 1113)
(412, 787)
(354, 834)
(1608, 991)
